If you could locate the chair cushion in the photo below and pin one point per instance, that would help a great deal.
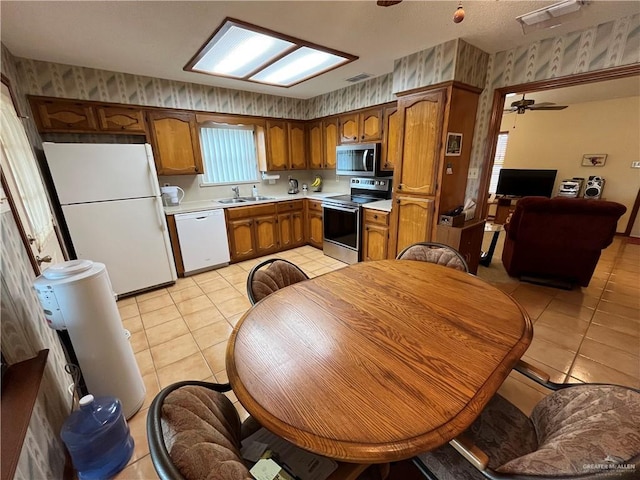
(586, 424)
(278, 275)
(439, 256)
(502, 431)
(202, 433)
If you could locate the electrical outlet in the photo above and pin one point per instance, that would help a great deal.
(635, 164)
(473, 173)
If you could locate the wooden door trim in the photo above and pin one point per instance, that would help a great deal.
(21, 230)
(497, 106)
(633, 215)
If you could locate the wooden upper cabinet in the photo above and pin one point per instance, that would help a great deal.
(297, 146)
(370, 125)
(277, 145)
(53, 115)
(391, 139)
(175, 142)
(330, 137)
(286, 145)
(121, 119)
(349, 128)
(364, 126)
(315, 145)
(421, 116)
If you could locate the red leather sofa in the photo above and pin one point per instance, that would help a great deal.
(559, 238)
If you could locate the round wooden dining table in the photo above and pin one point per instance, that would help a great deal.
(377, 361)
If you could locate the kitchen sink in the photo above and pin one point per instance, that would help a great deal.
(244, 199)
(257, 199)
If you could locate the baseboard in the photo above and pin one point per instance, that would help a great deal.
(548, 282)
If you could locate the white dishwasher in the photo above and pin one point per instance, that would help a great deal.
(203, 240)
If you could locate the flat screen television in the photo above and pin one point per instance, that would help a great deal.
(514, 182)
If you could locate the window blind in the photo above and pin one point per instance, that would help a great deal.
(229, 154)
(498, 160)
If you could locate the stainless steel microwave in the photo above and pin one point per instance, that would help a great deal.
(359, 160)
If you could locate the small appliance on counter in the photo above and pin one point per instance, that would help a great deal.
(316, 186)
(171, 195)
(293, 186)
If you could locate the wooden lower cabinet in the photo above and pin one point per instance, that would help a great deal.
(291, 223)
(266, 234)
(175, 244)
(263, 229)
(314, 223)
(466, 239)
(375, 235)
(241, 240)
(291, 227)
(412, 219)
(252, 231)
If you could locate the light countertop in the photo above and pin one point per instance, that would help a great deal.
(202, 205)
(382, 205)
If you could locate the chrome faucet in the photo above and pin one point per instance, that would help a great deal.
(236, 192)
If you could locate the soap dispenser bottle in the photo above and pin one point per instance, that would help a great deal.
(254, 191)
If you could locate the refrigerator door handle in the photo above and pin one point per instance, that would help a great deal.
(160, 212)
(153, 177)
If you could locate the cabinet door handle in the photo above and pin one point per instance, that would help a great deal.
(400, 187)
(375, 216)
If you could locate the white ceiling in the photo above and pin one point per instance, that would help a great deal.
(158, 38)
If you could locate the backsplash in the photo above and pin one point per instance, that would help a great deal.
(332, 183)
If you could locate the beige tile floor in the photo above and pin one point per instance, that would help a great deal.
(588, 334)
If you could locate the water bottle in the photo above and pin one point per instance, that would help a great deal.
(98, 438)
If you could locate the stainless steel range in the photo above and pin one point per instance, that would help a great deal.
(341, 219)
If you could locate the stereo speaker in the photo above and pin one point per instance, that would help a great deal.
(594, 188)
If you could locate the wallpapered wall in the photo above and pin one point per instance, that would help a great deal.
(607, 45)
(25, 332)
(452, 60)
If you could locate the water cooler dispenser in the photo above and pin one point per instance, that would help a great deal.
(77, 296)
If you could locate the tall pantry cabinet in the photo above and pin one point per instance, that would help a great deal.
(427, 181)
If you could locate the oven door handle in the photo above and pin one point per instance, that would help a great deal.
(342, 209)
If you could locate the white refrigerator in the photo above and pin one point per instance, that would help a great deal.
(111, 203)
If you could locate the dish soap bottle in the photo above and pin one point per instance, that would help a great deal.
(254, 191)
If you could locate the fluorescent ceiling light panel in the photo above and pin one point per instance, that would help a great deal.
(248, 52)
(239, 52)
(297, 66)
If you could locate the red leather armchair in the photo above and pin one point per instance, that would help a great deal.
(559, 238)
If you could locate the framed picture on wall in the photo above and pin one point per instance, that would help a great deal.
(454, 144)
(594, 159)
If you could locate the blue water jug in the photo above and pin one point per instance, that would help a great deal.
(98, 438)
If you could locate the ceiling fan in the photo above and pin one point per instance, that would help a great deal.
(520, 106)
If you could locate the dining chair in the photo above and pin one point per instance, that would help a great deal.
(278, 274)
(580, 431)
(437, 253)
(194, 433)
